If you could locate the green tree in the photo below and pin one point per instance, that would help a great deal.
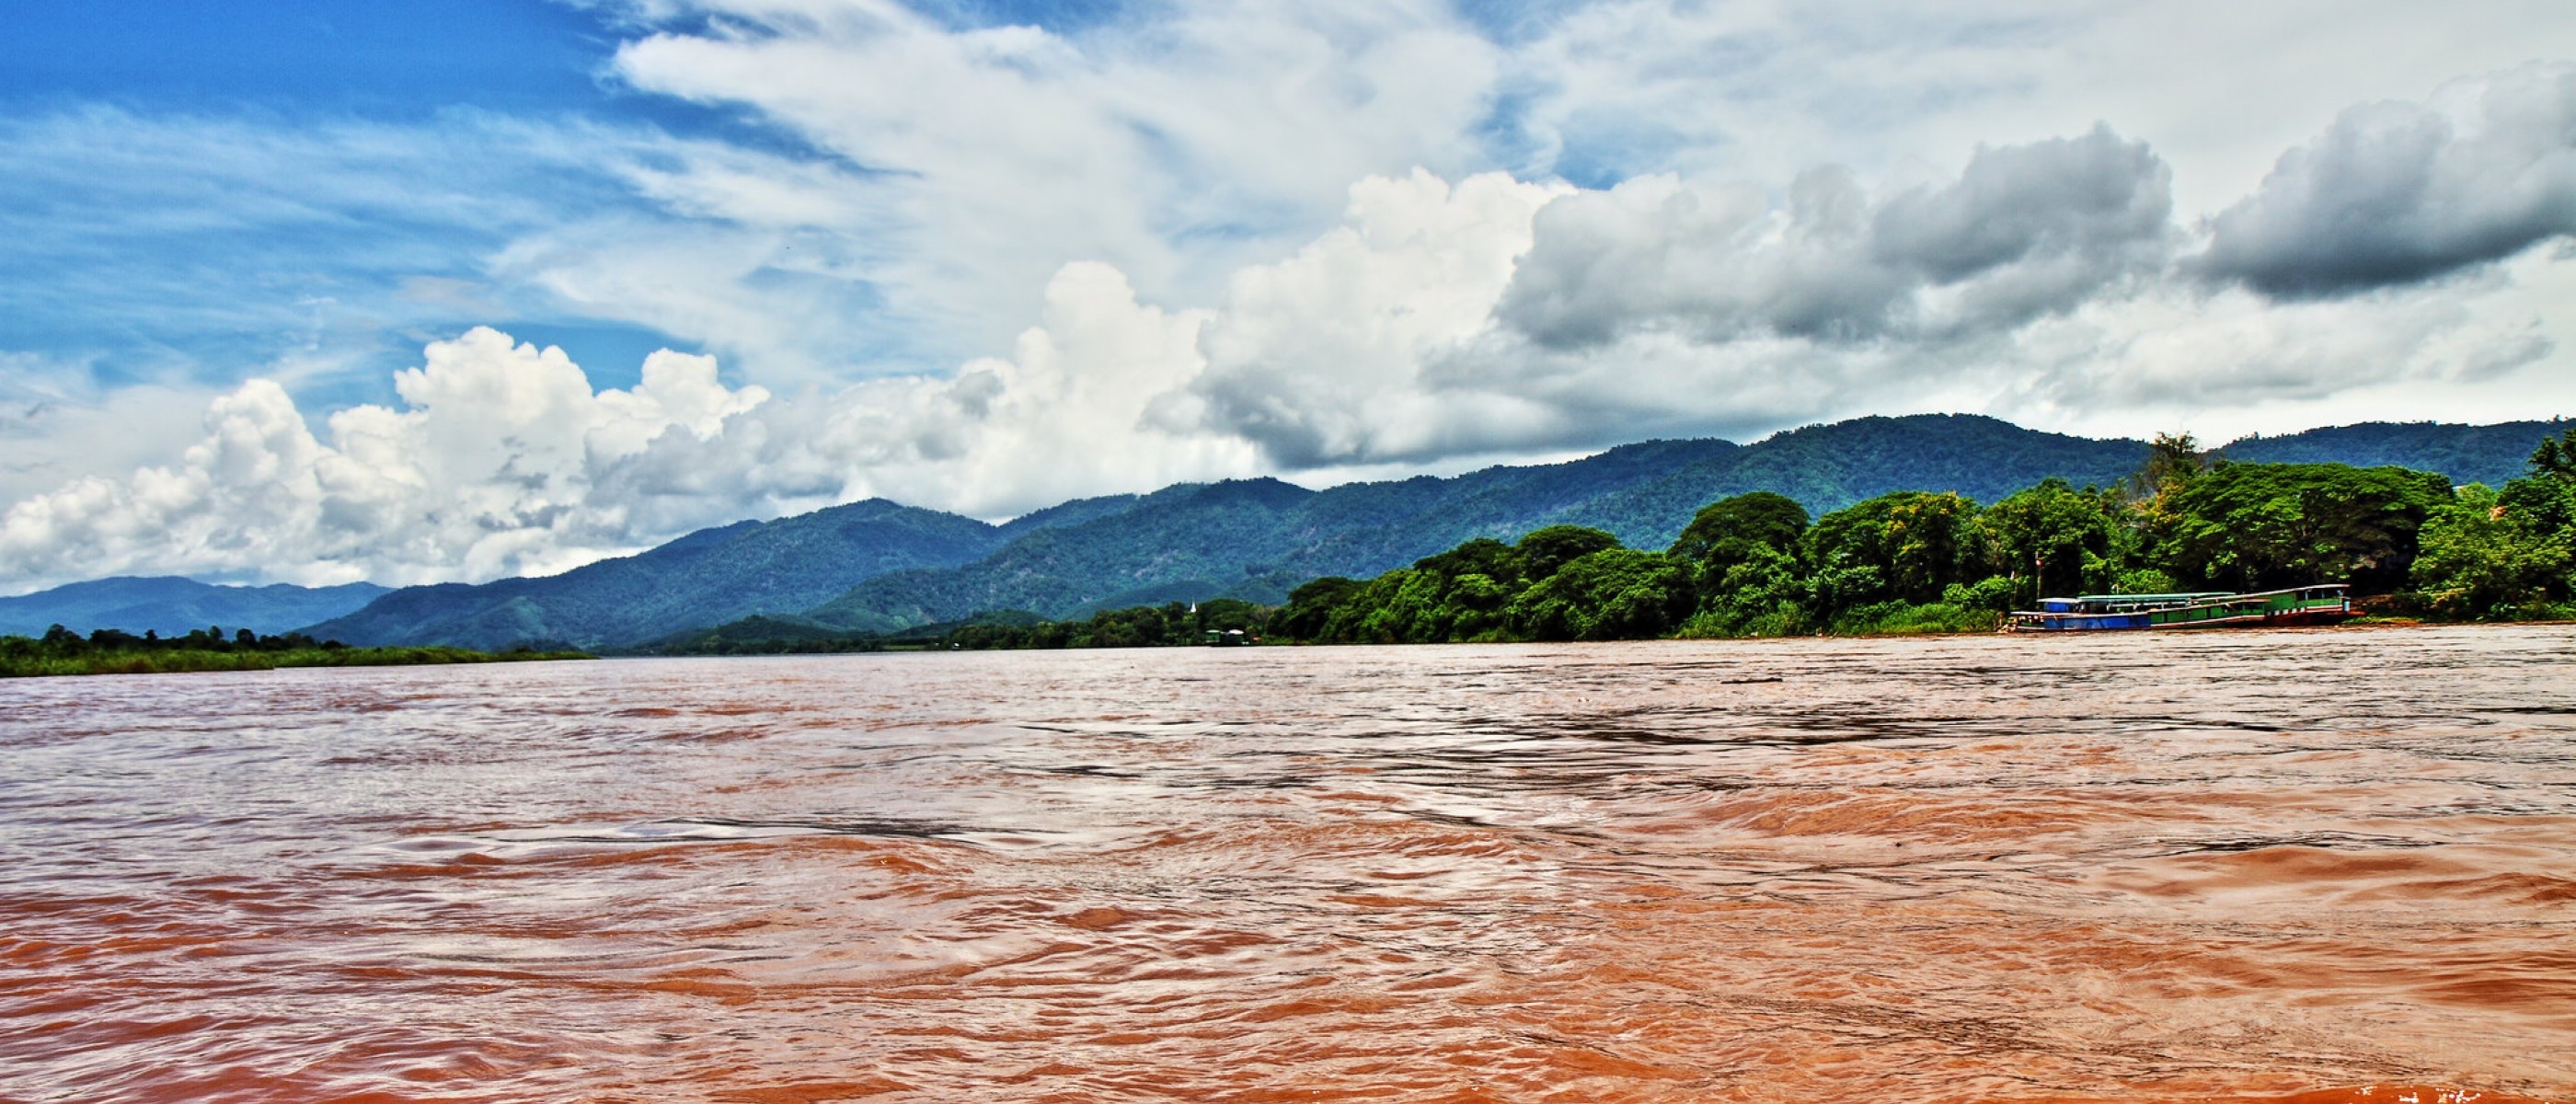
(1409, 611)
(1764, 594)
(2051, 539)
(1227, 613)
(2267, 526)
(1545, 550)
(1744, 557)
(1907, 546)
(1313, 606)
(1611, 594)
(2555, 459)
(1482, 556)
(2545, 499)
(2491, 555)
(1476, 602)
(1730, 531)
(2479, 559)
(2173, 461)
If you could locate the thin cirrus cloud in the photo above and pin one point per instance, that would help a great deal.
(197, 247)
(960, 259)
(1176, 149)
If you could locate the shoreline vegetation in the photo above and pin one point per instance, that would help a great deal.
(2413, 547)
(116, 652)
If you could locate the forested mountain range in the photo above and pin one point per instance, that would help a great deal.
(172, 606)
(707, 577)
(1257, 540)
(877, 565)
(2491, 454)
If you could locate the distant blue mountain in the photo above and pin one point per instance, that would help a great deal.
(706, 577)
(171, 605)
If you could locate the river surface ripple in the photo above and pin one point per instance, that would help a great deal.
(2316, 866)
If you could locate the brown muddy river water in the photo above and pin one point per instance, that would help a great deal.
(2327, 866)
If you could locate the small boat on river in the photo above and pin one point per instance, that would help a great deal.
(2322, 604)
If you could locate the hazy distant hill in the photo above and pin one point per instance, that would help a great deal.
(171, 605)
(707, 577)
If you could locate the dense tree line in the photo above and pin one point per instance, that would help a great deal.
(1758, 565)
(1168, 625)
(1914, 561)
(62, 643)
(2504, 554)
(114, 651)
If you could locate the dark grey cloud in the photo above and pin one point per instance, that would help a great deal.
(2396, 193)
(2025, 231)
(2095, 196)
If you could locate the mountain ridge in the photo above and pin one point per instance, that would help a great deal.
(174, 605)
(710, 576)
(878, 565)
(1644, 493)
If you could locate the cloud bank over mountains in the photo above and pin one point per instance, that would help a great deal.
(1336, 241)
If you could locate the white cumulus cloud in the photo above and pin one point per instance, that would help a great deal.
(487, 470)
(2399, 192)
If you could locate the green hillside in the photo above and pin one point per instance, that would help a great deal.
(708, 577)
(2492, 454)
(1252, 539)
(1828, 467)
(1257, 540)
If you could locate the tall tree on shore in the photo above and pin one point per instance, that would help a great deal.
(2173, 461)
(2052, 539)
(2264, 526)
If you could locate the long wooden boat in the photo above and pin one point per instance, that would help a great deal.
(2322, 604)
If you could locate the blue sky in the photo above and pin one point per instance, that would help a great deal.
(283, 278)
(306, 56)
(98, 279)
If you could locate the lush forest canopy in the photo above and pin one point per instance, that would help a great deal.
(1756, 564)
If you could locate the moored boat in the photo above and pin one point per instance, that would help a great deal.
(2321, 604)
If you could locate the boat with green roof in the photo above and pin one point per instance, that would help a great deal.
(2320, 604)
